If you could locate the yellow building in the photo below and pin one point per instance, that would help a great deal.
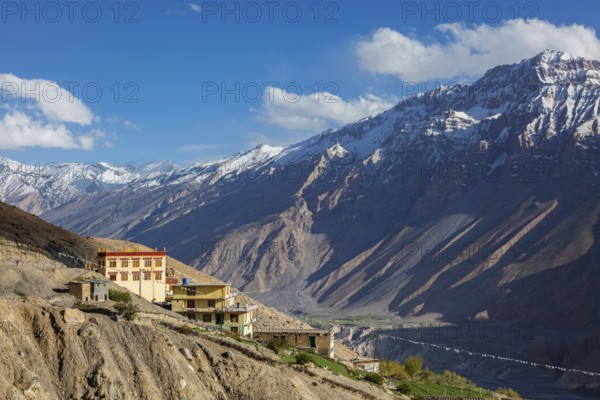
(141, 272)
(214, 304)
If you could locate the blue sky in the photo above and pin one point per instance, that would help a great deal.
(145, 80)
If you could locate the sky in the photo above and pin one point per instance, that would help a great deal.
(137, 81)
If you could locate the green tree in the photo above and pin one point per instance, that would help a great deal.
(392, 369)
(413, 365)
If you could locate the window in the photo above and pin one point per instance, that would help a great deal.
(191, 291)
(136, 276)
(212, 303)
(147, 263)
(234, 318)
(312, 341)
(147, 276)
(136, 264)
(206, 317)
(158, 262)
(113, 264)
(124, 263)
(112, 277)
(234, 329)
(124, 276)
(190, 304)
(158, 276)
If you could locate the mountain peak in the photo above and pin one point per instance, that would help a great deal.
(554, 66)
(550, 56)
(266, 150)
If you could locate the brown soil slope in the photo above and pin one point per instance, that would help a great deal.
(49, 350)
(43, 357)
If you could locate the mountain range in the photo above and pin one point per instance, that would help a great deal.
(472, 201)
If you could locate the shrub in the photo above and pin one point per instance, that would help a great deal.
(510, 393)
(19, 293)
(117, 295)
(127, 309)
(82, 305)
(277, 344)
(404, 388)
(374, 378)
(426, 374)
(185, 330)
(413, 365)
(303, 358)
(452, 377)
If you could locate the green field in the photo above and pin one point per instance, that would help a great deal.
(436, 384)
(437, 389)
(321, 362)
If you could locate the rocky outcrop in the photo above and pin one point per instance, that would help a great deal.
(44, 357)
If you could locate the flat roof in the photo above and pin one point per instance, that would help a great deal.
(202, 284)
(132, 253)
(90, 281)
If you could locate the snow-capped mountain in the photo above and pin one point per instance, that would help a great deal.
(41, 187)
(466, 202)
(508, 162)
(552, 96)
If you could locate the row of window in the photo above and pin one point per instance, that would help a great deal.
(191, 291)
(135, 263)
(135, 276)
(192, 303)
(208, 318)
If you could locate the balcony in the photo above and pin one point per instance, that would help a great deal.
(243, 308)
(201, 296)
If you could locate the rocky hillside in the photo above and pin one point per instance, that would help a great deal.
(53, 353)
(50, 349)
(38, 235)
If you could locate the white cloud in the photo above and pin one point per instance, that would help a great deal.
(319, 111)
(55, 102)
(18, 130)
(36, 114)
(195, 7)
(131, 125)
(471, 51)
